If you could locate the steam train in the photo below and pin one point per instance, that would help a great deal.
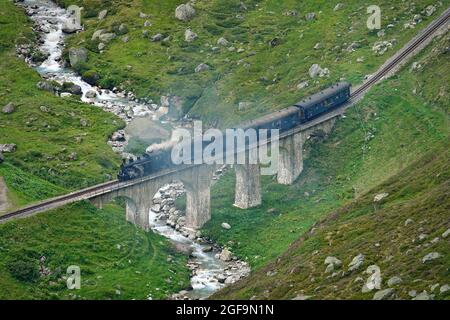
(285, 119)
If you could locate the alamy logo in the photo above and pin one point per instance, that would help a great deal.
(73, 277)
(235, 146)
(374, 20)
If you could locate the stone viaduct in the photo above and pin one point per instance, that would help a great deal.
(197, 180)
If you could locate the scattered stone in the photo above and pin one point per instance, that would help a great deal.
(430, 257)
(412, 293)
(385, 294)
(72, 156)
(430, 10)
(310, 16)
(91, 94)
(243, 105)
(315, 70)
(123, 29)
(381, 33)
(77, 55)
(147, 23)
(223, 42)
(143, 15)
(356, 263)
(394, 281)
(380, 47)
(9, 108)
(374, 281)
(444, 288)
(380, 197)
(190, 36)
(225, 255)
(318, 46)
(106, 37)
(332, 263)
(8, 148)
(101, 46)
(97, 34)
(302, 85)
(207, 249)
(408, 221)
(225, 226)
(339, 6)
(434, 287)
(157, 37)
(70, 27)
(184, 12)
(102, 14)
(422, 296)
(202, 67)
(446, 233)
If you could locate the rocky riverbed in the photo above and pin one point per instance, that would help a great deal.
(212, 267)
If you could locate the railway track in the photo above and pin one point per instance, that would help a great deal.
(357, 93)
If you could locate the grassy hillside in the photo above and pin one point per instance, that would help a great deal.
(397, 123)
(271, 48)
(117, 260)
(395, 234)
(61, 143)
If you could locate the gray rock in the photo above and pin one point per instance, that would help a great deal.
(207, 249)
(310, 16)
(9, 108)
(301, 297)
(97, 34)
(91, 94)
(356, 263)
(8, 148)
(106, 37)
(225, 255)
(190, 36)
(125, 39)
(223, 42)
(302, 85)
(45, 85)
(70, 27)
(444, 288)
(385, 294)
(143, 15)
(339, 6)
(412, 293)
(225, 226)
(184, 12)
(101, 46)
(123, 29)
(394, 281)
(147, 23)
(422, 296)
(430, 10)
(332, 264)
(380, 196)
(446, 233)
(430, 257)
(315, 70)
(202, 67)
(408, 221)
(102, 14)
(157, 37)
(77, 55)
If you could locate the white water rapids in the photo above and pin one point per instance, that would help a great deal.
(50, 18)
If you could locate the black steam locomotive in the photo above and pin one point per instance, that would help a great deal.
(301, 112)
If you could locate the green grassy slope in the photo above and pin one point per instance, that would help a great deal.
(382, 135)
(41, 166)
(264, 76)
(380, 232)
(117, 260)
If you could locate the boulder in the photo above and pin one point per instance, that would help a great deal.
(91, 94)
(102, 14)
(71, 27)
(97, 34)
(356, 263)
(106, 37)
(90, 77)
(184, 12)
(225, 255)
(202, 67)
(77, 55)
(315, 70)
(394, 281)
(430, 257)
(182, 247)
(72, 88)
(225, 226)
(157, 37)
(310, 16)
(422, 296)
(385, 294)
(8, 148)
(223, 42)
(9, 108)
(45, 85)
(380, 196)
(190, 36)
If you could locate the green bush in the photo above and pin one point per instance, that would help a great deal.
(23, 268)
